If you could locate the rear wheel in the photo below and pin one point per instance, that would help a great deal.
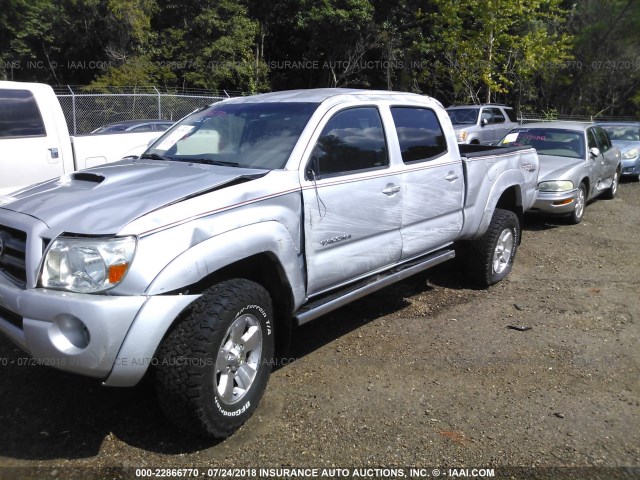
(213, 368)
(491, 257)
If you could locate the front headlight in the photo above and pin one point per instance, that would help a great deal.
(633, 153)
(461, 135)
(555, 186)
(87, 265)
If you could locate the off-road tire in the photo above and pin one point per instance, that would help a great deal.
(483, 254)
(187, 364)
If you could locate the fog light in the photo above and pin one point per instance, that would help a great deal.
(69, 334)
(563, 202)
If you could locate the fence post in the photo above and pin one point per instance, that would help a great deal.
(159, 102)
(73, 110)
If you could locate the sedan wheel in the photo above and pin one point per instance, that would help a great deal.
(613, 189)
(580, 203)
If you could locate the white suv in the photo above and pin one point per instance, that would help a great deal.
(475, 124)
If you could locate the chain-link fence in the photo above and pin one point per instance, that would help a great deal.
(87, 111)
(552, 116)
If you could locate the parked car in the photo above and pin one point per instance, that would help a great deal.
(158, 125)
(35, 144)
(626, 136)
(577, 163)
(245, 219)
(481, 124)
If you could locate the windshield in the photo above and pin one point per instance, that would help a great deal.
(250, 135)
(463, 116)
(548, 141)
(628, 133)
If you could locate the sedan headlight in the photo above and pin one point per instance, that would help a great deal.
(87, 265)
(555, 186)
(461, 135)
(633, 153)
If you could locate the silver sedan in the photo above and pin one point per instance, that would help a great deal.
(577, 163)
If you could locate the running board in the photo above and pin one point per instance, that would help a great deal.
(335, 300)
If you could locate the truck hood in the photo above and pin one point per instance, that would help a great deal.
(557, 168)
(104, 199)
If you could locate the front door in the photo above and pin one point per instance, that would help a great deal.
(352, 201)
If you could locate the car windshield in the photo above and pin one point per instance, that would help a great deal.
(548, 141)
(629, 133)
(250, 135)
(463, 116)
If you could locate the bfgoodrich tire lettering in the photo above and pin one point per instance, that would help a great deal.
(213, 367)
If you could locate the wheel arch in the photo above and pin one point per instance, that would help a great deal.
(266, 270)
(511, 200)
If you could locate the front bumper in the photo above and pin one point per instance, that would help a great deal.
(85, 334)
(630, 167)
(555, 203)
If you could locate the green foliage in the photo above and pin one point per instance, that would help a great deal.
(607, 42)
(546, 55)
(487, 48)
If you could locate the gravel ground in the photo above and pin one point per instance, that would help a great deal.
(424, 373)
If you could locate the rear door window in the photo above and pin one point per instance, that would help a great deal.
(419, 133)
(19, 114)
(511, 115)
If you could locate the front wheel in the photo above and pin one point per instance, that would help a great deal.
(213, 367)
(613, 189)
(491, 257)
(579, 205)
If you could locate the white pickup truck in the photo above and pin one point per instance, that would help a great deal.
(35, 144)
(247, 218)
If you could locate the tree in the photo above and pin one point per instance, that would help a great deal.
(340, 33)
(607, 46)
(70, 40)
(485, 48)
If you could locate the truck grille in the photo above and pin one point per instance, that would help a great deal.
(11, 317)
(13, 246)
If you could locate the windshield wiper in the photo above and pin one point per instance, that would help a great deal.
(155, 156)
(209, 161)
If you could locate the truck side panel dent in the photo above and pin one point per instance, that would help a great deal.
(505, 181)
(501, 173)
(144, 336)
(222, 250)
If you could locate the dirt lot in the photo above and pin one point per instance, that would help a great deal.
(424, 373)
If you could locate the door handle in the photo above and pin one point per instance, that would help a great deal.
(391, 190)
(451, 177)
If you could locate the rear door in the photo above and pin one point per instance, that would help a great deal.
(610, 155)
(433, 182)
(352, 200)
(28, 152)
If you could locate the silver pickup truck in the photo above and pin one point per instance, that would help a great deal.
(247, 218)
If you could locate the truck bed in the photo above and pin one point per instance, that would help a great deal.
(475, 151)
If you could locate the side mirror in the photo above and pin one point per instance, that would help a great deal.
(484, 122)
(312, 169)
(594, 152)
